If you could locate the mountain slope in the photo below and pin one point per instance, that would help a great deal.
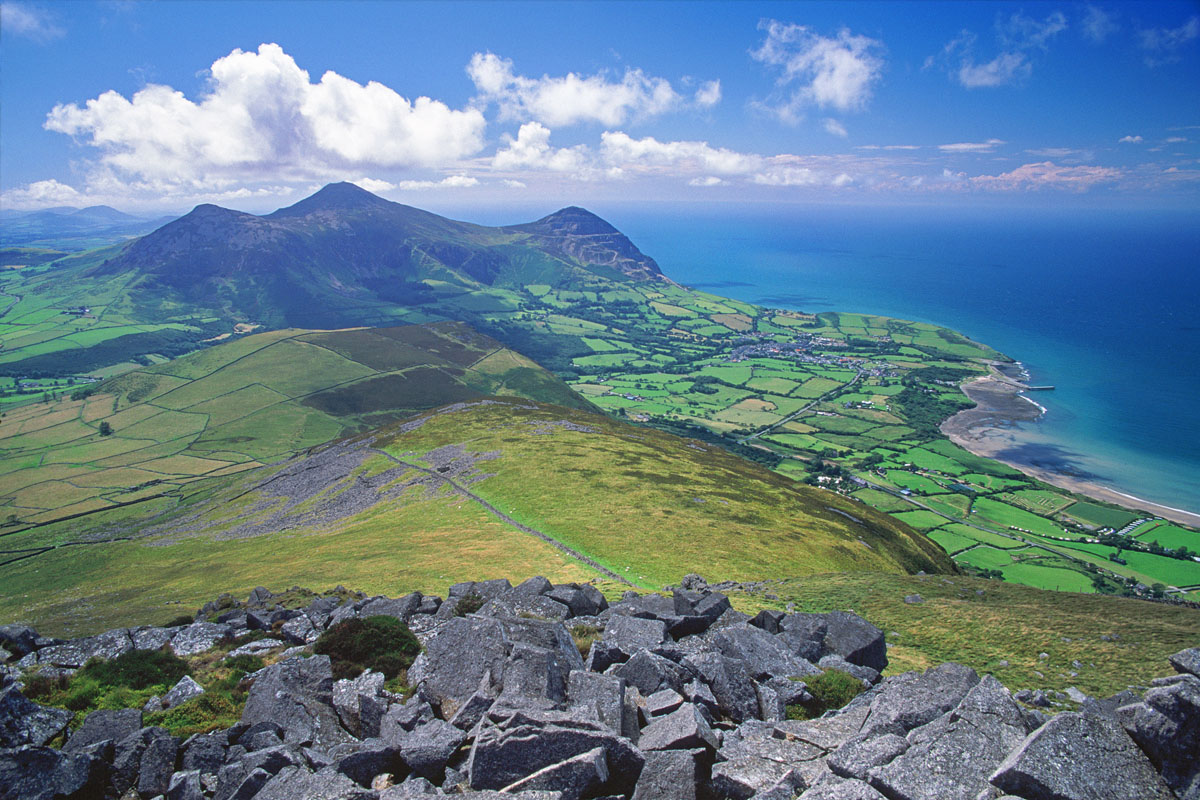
(319, 262)
(481, 489)
(248, 401)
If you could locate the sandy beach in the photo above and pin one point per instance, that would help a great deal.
(990, 430)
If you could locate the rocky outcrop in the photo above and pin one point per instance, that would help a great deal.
(679, 698)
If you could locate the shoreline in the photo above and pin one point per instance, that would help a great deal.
(988, 430)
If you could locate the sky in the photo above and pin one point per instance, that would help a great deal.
(159, 106)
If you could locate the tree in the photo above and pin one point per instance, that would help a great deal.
(105, 429)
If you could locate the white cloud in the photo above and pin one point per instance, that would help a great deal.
(842, 179)
(1054, 152)
(29, 21)
(1048, 175)
(531, 149)
(709, 94)
(1017, 36)
(1097, 24)
(708, 180)
(558, 101)
(787, 176)
(832, 126)
(374, 185)
(621, 150)
(1163, 44)
(1130, 139)
(1175, 139)
(42, 194)
(1003, 69)
(452, 182)
(828, 72)
(888, 147)
(971, 147)
(263, 119)
(514, 184)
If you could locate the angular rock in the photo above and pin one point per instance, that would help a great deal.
(295, 782)
(868, 676)
(768, 620)
(730, 684)
(914, 699)
(684, 729)
(856, 640)
(157, 763)
(462, 652)
(651, 673)
(763, 655)
(428, 748)
(533, 675)
(104, 725)
(711, 605)
(603, 655)
(1166, 725)
(42, 773)
(630, 634)
(360, 703)
(370, 758)
(471, 712)
(669, 775)
(234, 783)
(857, 756)
(663, 702)
(647, 606)
(402, 608)
(953, 757)
(296, 694)
(804, 634)
(1187, 661)
(24, 722)
(186, 689)
(603, 694)
(505, 754)
(198, 637)
(742, 778)
(299, 630)
(1080, 757)
(578, 777)
(405, 716)
(841, 789)
(185, 786)
(150, 638)
(20, 640)
(204, 753)
(532, 587)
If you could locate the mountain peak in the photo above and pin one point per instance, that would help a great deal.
(572, 220)
(342, 196)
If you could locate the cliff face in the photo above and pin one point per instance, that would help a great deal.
(678, 697)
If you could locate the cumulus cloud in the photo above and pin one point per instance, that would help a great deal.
(1097, 24)
(30, 22)
(42, 194)
(451, 182)
(709, 94)
(832, 126)
(263, 118)
(374, 185)
(1162, 45)
(1130, 140)
(1048, 175)
(514, 184)
(708, 180)
(787, 176)
(621, 150)
(828, 72)
(572, 98)
(971, 147)
(531, 149)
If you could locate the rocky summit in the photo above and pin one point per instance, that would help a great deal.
(554, 693)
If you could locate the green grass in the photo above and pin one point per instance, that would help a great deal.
(1100, 516)
(950, 541)
(1170, 536)
(1008, 516)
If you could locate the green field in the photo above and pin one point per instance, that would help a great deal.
(1100, 516)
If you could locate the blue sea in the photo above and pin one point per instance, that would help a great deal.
(1104, 305)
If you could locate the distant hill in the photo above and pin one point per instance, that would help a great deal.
(325, 261)
(74, 229)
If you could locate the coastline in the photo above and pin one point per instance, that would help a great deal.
(989, 430)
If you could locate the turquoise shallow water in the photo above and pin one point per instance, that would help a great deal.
(1104, 305)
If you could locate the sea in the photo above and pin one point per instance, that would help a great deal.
(1102, 304)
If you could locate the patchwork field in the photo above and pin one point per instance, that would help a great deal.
(248, 402)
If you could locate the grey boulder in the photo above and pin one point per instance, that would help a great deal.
(296, 695)
(23, 721)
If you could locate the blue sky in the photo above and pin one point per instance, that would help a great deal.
(159, 106)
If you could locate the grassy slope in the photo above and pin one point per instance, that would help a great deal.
(597, 485)
(242, 403)
(985, 623)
